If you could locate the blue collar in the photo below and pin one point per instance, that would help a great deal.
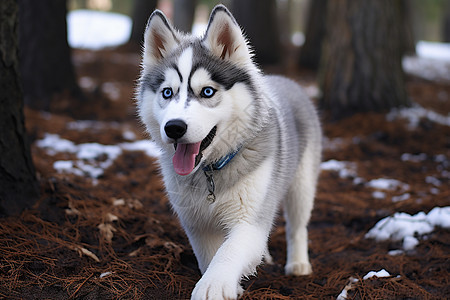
(218, 165)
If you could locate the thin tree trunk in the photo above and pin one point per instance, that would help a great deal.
(446, 24)
(183, 14)
(258, 18)
(361, 61)
(18, 185)
(314, 35)
(142, 9)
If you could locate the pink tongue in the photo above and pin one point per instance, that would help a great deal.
(184, 158)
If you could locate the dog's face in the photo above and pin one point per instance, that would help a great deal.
(193, 90)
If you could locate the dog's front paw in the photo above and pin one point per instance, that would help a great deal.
(216, 288)
(298, 269)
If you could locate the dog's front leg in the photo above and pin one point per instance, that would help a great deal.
(238, 256)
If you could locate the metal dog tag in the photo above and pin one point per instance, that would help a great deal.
(211, 198)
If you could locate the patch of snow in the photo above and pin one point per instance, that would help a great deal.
(387, 184)
(96, 30)
(148, 147)
(87, 83)
(91, 151)
(433, 50)
(409, 243)
(129, 135)
(433, 180)
(345, 169)
(66, 166)
(379, 274)
(404, 227)
(333, 165)
(112, 90)
(434, 191)
(344, 293)
(396, 252)
(432, 61)
(401, 197)
(352, 282)
(379, 195)
(439, 216)
(92, 158)
(54, 144)
(105, 274)
(414, 157)
(415, 113)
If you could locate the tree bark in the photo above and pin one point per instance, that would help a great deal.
(446, 24)
(183, 14)
(408, 38)
(45, 56)
(142, 9)
(259, 20)
(18, 185)
(361, 61)
(315, 33)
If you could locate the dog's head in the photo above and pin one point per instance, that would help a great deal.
(195, 94)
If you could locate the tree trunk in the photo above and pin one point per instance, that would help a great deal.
(142, 9)
(361, 66)
(314, 35)
(183, 14)
(259, 20)
(446, 24)
(18, 185)
(45, 58)
(408, 38)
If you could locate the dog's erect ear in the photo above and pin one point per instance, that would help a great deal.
(224, 37)
(159, 38)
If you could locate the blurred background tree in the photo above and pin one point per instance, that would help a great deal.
(142, 10)
(315, 31)
(258, 18)
(183, 14)
(18, 184)
(45, 56)
(361, 65)
(267, 23)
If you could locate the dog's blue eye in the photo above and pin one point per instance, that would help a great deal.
(167, 93)
(207, 92)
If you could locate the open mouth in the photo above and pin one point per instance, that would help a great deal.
(188, 156)
(205, 143)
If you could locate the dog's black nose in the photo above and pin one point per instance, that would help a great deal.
(175, 129)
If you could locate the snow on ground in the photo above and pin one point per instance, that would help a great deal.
(387, 184)
(415, 113)
(95, 29)
(433, 50)
(352, 281)
(92, 158)
(344, 168)
(432, 61)
(407, 228)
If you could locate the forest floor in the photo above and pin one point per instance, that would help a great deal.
(103, 227)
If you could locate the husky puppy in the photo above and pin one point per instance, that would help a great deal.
(235, 144)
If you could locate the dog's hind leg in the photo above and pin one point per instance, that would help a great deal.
(297, 211)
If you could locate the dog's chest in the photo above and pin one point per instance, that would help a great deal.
(235, 201)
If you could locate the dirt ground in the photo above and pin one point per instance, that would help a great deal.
(116, 236)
